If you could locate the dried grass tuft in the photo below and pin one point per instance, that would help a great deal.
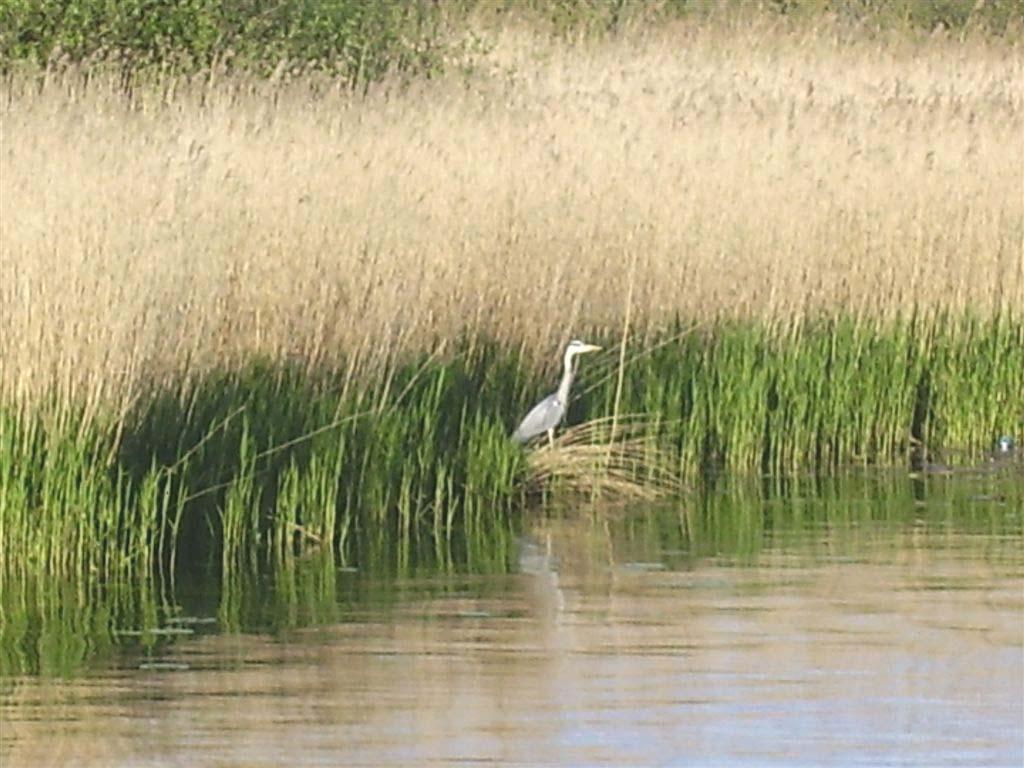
(610, 458)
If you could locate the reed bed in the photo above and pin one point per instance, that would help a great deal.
(242, 318)
(757, 175)
(263, 465)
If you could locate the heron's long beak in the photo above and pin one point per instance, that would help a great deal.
(589, 348)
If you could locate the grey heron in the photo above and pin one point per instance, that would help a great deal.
(549, 412)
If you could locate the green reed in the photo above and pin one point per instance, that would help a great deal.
(257, 466)
(821, 394)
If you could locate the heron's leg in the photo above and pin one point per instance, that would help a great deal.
(551, 437)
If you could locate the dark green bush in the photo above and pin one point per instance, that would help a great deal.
(359, 39)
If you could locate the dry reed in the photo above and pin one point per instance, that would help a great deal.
(748, 173)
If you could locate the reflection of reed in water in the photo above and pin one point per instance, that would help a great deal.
(537, 561)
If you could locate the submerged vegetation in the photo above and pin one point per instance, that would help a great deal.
(246, 320)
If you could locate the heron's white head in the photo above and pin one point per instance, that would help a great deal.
(577, 347)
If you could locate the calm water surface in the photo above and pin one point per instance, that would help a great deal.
(810, 630)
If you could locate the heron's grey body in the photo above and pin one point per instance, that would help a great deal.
(549, 412)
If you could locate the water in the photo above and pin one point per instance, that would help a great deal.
(875, 621)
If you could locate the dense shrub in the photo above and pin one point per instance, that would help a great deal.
(355, 38)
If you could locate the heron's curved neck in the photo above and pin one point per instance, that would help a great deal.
(563, 386)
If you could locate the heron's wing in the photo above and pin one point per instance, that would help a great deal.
(543, 416)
